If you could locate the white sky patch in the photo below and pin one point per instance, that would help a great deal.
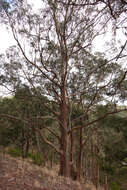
(99, 43)
(35, 4)
(6, 39)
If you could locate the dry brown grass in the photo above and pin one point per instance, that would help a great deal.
(20, 172)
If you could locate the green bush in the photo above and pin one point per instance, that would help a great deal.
(36, 158)
(114, 186)
(15, 152)
(31, 155)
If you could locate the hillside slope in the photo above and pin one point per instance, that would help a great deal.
(18, 174)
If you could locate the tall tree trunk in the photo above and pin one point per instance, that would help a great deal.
(65, 140)
(64, 157)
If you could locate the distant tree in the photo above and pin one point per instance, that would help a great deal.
(112, 158)
(22, 116)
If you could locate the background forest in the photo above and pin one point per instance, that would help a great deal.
(64, 102)
(99, 150)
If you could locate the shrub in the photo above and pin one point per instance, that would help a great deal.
(114, 186)
(36, 158)
(15, 152)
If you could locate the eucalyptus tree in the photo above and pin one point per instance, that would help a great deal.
(53, 54)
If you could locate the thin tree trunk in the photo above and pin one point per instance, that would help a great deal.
(27, 147)
(23, 144)
(73, 171)
(51, 160)
(98, 176)
(106, 182)
(79, 164)
(93, 167)
(72, 146)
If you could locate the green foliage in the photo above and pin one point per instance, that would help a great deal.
(114, 186)
(113, 130)
(4, 136)
(36, 158)
(15, 152)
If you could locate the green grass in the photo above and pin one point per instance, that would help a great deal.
(14, 152)
(115, 186)
(36, 158)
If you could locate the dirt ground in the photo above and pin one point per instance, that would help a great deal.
(18, 174)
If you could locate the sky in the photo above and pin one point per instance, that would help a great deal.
(6, 38)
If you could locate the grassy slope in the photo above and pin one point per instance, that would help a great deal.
(18, 174)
